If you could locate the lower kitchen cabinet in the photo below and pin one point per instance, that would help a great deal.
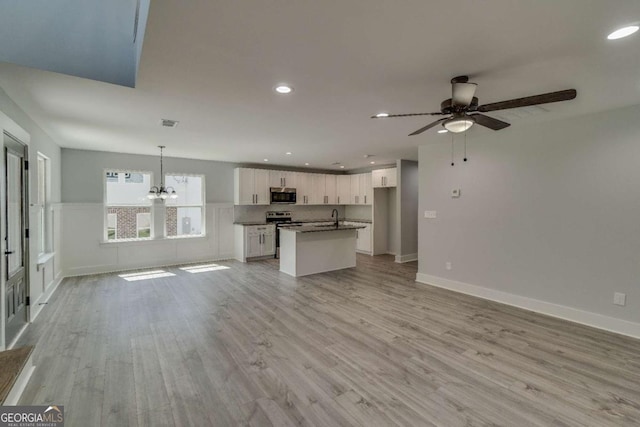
(363, 240)
(253, 241)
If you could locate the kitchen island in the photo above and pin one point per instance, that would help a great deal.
(317, 249)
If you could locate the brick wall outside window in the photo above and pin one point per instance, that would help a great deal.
(127, 221)
(172, 221)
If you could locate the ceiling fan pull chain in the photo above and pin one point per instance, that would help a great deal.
(465, 146)
(452, 163)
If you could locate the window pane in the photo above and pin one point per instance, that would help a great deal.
(42, 173)
(184, 221)
(188, 189)
(128, 188)
(125, 225)
(143, 225)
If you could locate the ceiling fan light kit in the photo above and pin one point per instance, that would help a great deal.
(463, 109)
(458, 124)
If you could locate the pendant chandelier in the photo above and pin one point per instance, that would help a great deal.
(162, 192)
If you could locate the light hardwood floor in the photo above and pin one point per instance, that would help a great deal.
(366, 346)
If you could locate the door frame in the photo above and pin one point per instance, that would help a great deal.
(15, 131)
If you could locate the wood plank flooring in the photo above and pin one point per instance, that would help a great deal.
(367, 346)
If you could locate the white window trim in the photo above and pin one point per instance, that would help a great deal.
(44, 232)
(202, 207)
(105, 233)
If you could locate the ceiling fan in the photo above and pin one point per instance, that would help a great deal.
(463, 110)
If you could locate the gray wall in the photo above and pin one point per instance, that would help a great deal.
(82, 173)
(408, 180)
(548, 211)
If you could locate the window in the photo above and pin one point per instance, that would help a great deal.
(112, 226)
(184, 216)
(143, 225)
(127, 209)
(43, 204)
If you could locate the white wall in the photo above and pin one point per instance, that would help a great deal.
(44, 279)
(549, 217)
(84, 250)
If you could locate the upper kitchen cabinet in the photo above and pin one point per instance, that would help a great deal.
(360, 189)
(304, 187)
(343, 189)
(251, 186)
(282, 179)
(385, 177)
(330, 190)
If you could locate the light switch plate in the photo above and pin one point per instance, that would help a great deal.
(430, 214)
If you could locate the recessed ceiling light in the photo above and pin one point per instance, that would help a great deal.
(373, 163)
(342, 167)
(283, 89)
(380, 115)
(306, 164)
(266, 160)
(623, 32)
(288, 153)
(443, 131)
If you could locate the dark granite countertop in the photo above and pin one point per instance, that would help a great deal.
(366, 221)
(319, 228)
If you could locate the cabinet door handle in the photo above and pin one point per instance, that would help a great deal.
(284, 182)
(365, 200)
(338, 199)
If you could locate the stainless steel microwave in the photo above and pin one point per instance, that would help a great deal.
(283, 196)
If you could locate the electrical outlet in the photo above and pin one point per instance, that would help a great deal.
(448, 265)
(430, 214)
(619, 298)
(455, 193)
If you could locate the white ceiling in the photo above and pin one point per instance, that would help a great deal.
(213, 66)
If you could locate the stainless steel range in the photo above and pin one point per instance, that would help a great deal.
(280, 219)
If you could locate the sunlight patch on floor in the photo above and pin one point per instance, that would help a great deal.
(204, 268)
(145, 275)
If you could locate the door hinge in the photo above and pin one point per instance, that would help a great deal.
(26, 233)
(26, 165)
(28, 302)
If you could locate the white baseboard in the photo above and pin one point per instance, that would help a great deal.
(406, 258)
(103, 269)
(583, 317)
(21, 382)
(36, 307)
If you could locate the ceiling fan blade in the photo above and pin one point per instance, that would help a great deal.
(427, 127)
(545, 98)
(463, 93)
(407, 115)
(489, 122)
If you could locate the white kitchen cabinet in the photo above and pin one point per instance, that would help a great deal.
(304, 186)
(366, 188)
(385, 177)
(330, 190)
(317, 194)
(360, 192)
(251, 186)
(343, 189)
(282, 179)
(363, 237)
(254, 241)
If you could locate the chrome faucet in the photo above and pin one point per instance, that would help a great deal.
(336, 212)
